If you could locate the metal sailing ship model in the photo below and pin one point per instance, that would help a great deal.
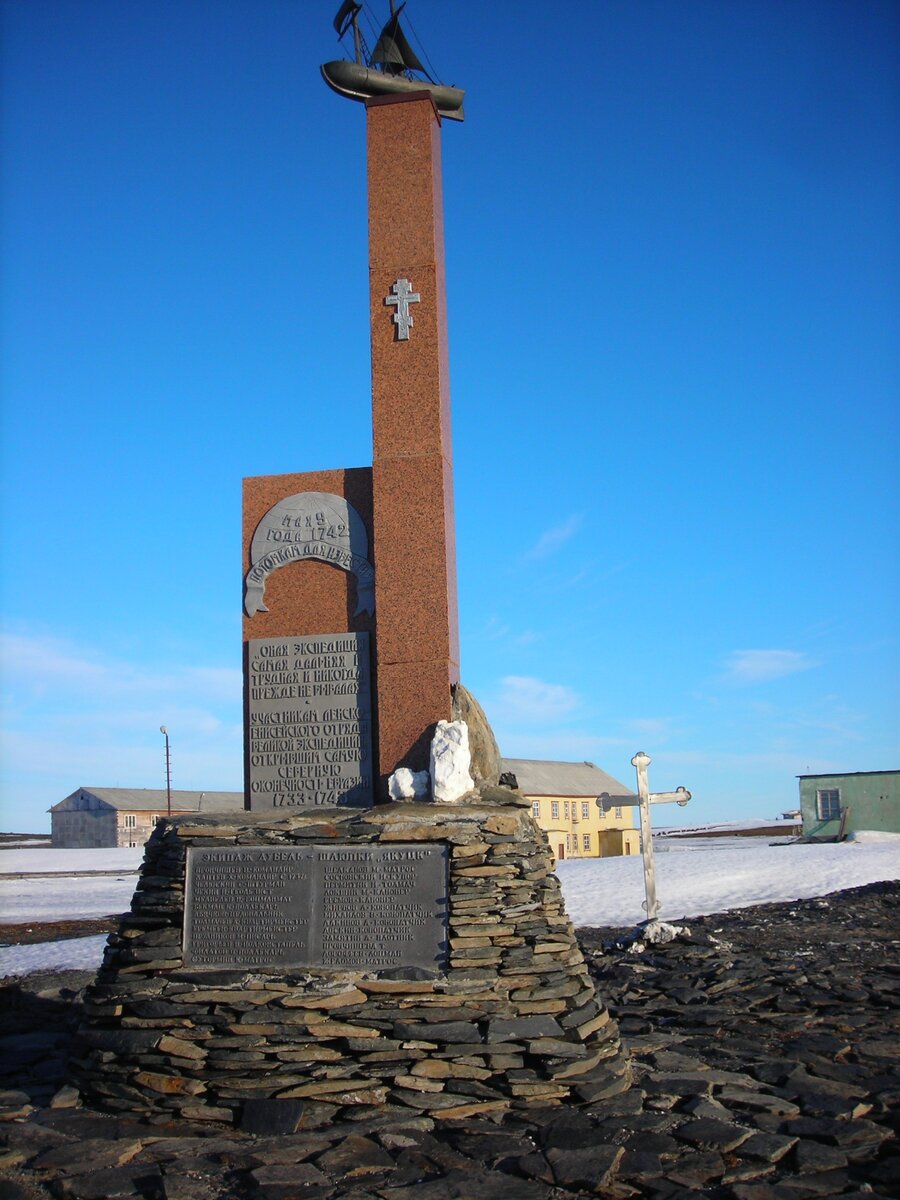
(390, 69)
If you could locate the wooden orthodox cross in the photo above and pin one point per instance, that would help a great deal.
(642, 801)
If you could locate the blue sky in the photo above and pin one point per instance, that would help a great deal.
(673, 292)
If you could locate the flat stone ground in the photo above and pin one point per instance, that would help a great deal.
(766, 1063)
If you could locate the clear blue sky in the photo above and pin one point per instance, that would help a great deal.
(673, 289)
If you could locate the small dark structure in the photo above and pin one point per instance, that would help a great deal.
(392, 69)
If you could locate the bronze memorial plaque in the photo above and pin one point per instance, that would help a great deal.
(347, 906)
(309, 721)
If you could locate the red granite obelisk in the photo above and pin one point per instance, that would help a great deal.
(417, 637)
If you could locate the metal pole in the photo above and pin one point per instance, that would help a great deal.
(640, 762)
(165, 733)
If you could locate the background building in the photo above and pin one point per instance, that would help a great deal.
(126, 816)
(834, 804)
(563, 800)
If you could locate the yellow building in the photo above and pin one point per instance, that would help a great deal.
(563, 799)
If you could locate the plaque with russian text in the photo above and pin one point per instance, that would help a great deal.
(333, 907)
(380, 906)
(309, 721)
(247, 907)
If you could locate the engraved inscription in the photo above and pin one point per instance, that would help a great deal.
(367, 907)
(315, 525)
(309, 737)
(247, 906)
(378, 905)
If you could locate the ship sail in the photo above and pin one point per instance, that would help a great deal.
(346, 13)
(393, 52)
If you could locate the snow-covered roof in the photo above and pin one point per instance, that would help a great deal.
(154, 800)
(540, 777)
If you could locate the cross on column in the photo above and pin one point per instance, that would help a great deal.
(642, 801)
(403, 296)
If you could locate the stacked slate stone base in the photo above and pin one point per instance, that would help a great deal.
(513, 1021)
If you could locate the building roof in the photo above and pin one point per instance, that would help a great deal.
(845, 774)
(538, 777)
(155, 800)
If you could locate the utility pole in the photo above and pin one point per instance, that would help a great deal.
(165, 733)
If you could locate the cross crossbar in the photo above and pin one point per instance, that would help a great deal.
(606, 801)
(642, 800)
(403, 296)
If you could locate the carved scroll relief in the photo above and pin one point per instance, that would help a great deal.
(316, 525)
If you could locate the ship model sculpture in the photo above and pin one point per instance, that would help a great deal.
(393, 68)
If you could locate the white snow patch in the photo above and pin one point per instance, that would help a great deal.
(610, 891)
(869, 836)
(658, 932)
(64, 899)
(69, 861)
(76, 954)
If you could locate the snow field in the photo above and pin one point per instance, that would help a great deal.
(65, 862)
(692, 878)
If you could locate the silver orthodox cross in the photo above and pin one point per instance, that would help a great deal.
(642, 801)
(403, 296)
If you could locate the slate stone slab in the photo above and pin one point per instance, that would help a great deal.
(591, 1166)
(271, 1117)
(501, 1030)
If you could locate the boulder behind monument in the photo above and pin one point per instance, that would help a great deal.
(486, 765)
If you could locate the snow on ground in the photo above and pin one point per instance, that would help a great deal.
(76, 954)
(693, 877)
(64, 899)
(69, 861)
(704, 878)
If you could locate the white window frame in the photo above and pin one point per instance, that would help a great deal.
(828, 804)
(536, 809)
(130, 821)
(554, 809)
(585, 841)
(585, 810)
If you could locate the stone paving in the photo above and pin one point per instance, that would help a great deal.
(766, 1067)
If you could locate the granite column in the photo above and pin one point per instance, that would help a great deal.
(417, 636)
